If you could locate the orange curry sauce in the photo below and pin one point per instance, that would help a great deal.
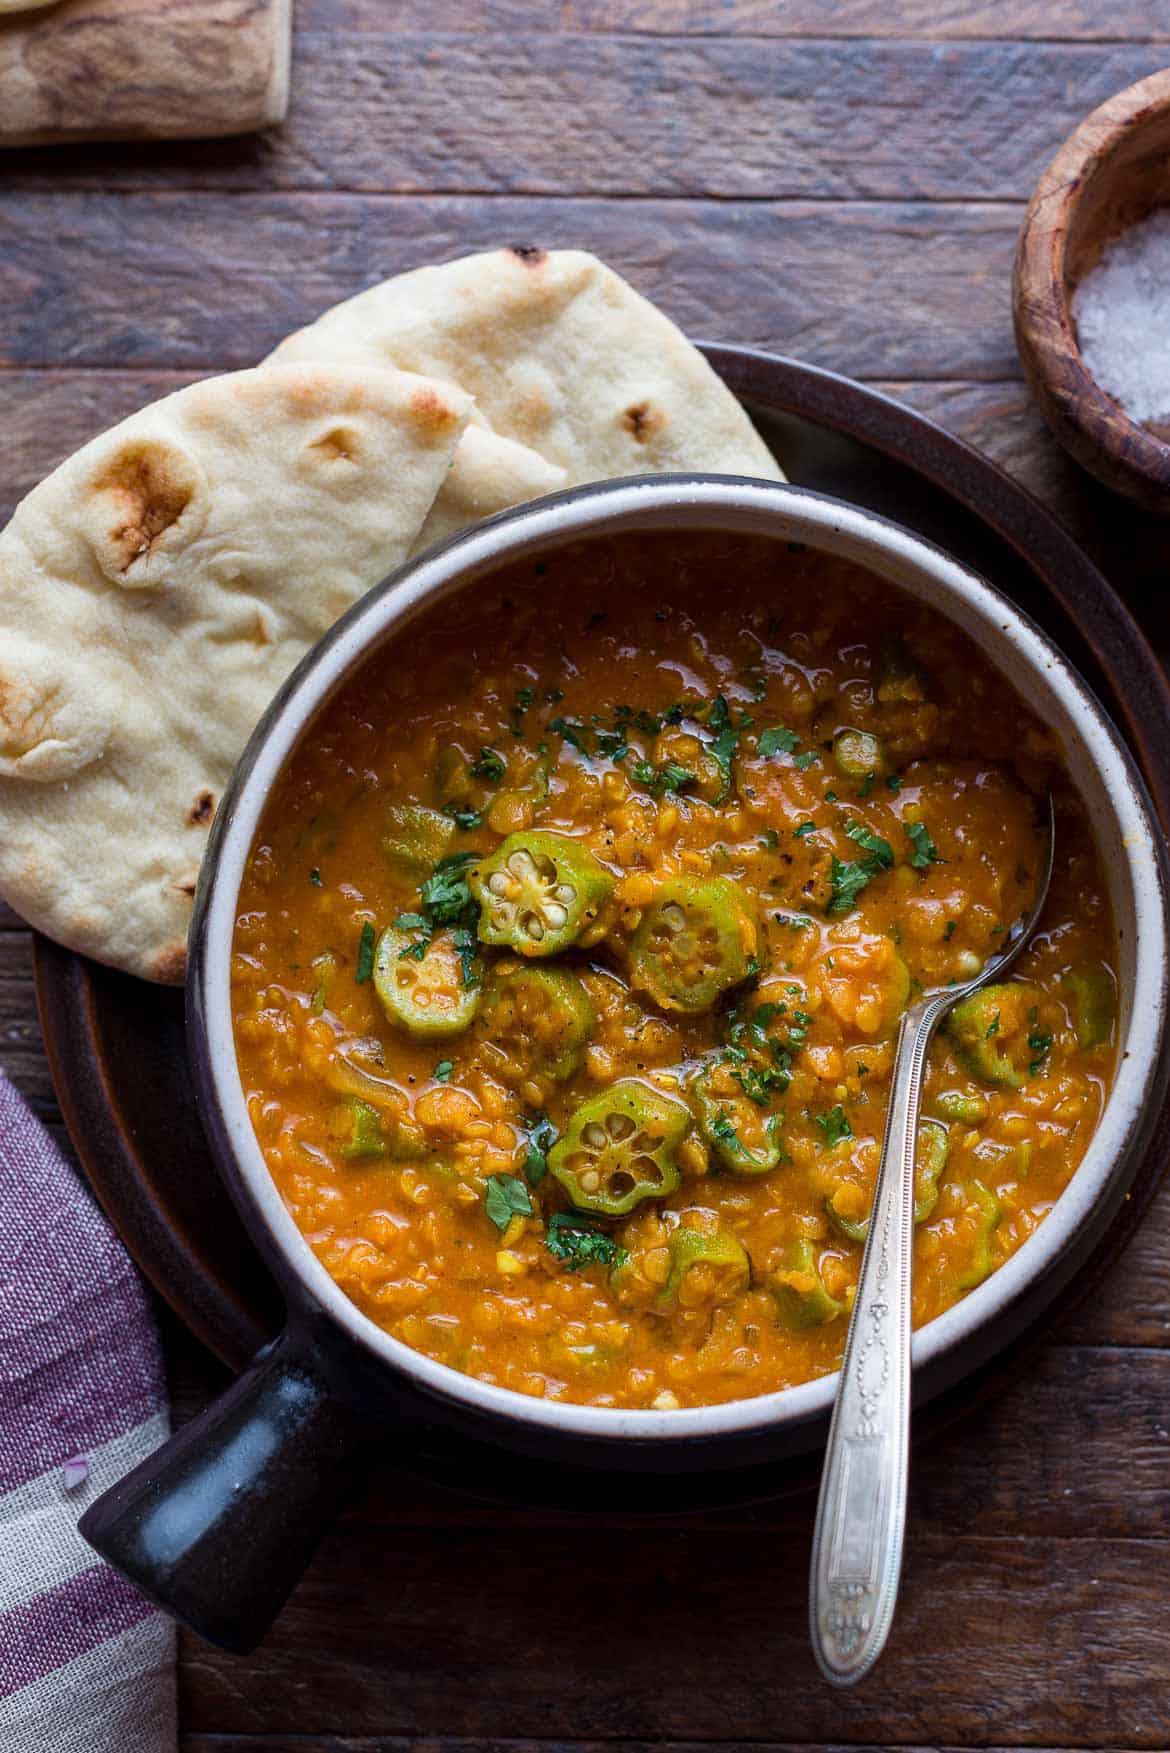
(859, 786)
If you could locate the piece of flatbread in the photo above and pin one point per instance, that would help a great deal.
(155, 591)
(562, 357)
(489, 474)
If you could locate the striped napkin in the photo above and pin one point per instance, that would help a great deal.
(86, 1664)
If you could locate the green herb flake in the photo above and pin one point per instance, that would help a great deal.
(315, 877)
(572, 731)
(847, 879)
(365, 960)
(489, 766)
(834, 1125)
(880, 851)
(894, 783)
(950, 930)
(778, 738)
(1040, 1044)
(805, 828)
(541, 1135)
(465, 819)
(862, 1069)
(506, 1197)
(992, 1027)
(659, 780)
(925, 852)
(576, 1243)
(770, 840)
(443, 1070)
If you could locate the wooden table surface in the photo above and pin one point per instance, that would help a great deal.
(840, 182)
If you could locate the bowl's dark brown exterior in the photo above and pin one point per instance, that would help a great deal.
(1111, 172)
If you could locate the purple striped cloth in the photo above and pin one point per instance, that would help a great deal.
(86, 1664)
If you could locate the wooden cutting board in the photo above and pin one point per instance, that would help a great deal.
(142, 69)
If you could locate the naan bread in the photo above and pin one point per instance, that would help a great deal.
(489, 474)
(562, 357)
(154, 593)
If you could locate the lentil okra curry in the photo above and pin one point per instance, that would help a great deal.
(572, 947)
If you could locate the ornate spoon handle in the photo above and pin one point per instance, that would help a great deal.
(861, 1516)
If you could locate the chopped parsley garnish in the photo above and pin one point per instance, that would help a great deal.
(776, 738)
(613, 744)
(446, 899)
(893, 783)
(950, 930)
(992, 1028)
(723, 1130)
(541, 1135)
(925, 852)
(465, 819)
(805, 828)
(760, 1083)
(445, 894)
(659, 780)
(525, 699)
(443, 1070)
(861, 1069)
(576, 1242)
(572, 731)
(848, 879)
(879, 850)
(727, 737)
(506, 1197)
(489, 766)
(315, 877)
(835, 1125)
(770, 840)
(1040, 1044)
(365, 960)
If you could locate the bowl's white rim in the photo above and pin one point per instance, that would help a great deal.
(684, 502)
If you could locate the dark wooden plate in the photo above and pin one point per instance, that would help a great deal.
(116, 1046)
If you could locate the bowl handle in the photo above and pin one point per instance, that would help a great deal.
(219, 1523)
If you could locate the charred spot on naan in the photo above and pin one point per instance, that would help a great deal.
(202, 811)
(643, 422)
(145, 501)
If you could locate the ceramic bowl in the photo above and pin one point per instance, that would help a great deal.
(1113, 171)
(256, 1474)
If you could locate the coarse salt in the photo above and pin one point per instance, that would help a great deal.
(1122, 312)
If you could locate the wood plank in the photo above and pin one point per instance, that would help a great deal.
(265, 1743)
(22, 1056)
(938, 20)
(696, 1635)
(730, 118)
(880, 291)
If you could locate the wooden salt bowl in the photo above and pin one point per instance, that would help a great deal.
(1110, 173)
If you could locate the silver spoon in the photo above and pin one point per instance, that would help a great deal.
(861, 1515)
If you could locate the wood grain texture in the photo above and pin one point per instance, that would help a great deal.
(697, 1634)
(141, 69)
(264, 1743)
(934, 20)
(907, 289)
(512, 113)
